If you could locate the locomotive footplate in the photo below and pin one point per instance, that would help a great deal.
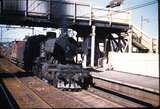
(66, 76)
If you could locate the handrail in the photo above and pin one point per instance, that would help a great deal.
(144, 33)
(141, 35)
(95, 13)
(75, 10)
(33, 2)
(145, 40)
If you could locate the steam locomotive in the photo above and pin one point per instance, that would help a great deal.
(52, 59)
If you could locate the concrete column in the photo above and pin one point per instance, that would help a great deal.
(93, 45)
(130, 42)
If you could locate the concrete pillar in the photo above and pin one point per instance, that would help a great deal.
(93, 45)
(130, 42)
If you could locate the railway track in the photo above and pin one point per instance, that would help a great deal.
(114, 98)
(93, 100)
(28, 91)
(99, 97)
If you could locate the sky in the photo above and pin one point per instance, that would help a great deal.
(150, 13)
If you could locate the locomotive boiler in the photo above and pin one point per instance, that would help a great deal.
(52, 59)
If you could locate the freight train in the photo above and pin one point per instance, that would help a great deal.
(52, 59)
(15, 52)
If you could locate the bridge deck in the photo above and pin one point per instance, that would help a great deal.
(48, 13)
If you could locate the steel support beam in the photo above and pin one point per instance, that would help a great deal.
(77, 54)
(84, 63)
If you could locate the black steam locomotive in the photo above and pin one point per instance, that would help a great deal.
(52, 59)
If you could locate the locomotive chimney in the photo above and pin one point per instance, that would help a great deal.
(62, 8)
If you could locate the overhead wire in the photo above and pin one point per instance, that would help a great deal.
(141, 5)
(134, 7)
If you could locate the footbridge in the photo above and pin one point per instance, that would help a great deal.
(111, 27)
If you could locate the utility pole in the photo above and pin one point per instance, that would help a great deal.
(141, 25)
(142, 20)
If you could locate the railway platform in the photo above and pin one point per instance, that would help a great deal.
(143, 88)
(125, 78)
